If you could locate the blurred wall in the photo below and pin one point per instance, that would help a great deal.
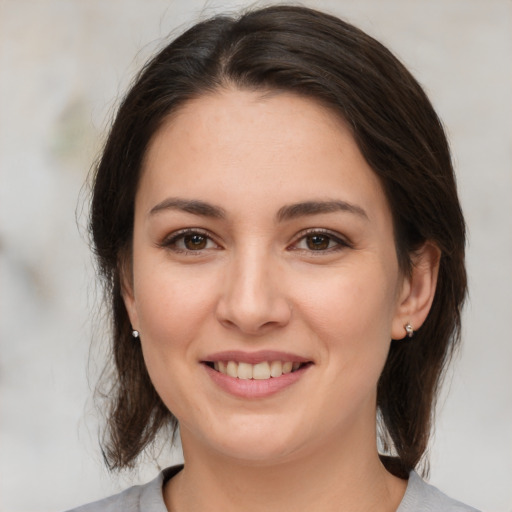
(63, 66)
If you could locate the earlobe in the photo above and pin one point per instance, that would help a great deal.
(129, 304)
(127, 293)
(418, 290)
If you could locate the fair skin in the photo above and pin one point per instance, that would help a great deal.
(287, 257)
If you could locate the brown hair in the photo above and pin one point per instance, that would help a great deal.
(319, 56)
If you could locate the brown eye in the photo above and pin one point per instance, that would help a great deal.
(189, 241)
(195, 242)
(318, 242)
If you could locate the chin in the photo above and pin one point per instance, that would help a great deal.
(255, 442)
(256, 452)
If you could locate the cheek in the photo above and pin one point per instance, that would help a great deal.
(352, 299)
(174, 310)
(352, 312)
(172, 305)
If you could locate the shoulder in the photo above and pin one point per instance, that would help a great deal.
(423, 497)
(139, 498)
(128, 500)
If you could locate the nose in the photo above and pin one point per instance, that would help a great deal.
(254, 297)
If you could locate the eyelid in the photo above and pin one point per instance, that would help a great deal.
(341, 241)
(173, 237)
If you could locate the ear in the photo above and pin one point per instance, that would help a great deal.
(417, 290)
(127, 292)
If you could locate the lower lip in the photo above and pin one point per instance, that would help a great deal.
(255, 388)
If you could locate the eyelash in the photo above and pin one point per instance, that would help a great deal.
(172, 240)
(339, 242)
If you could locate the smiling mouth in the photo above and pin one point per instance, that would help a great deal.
(260, 371)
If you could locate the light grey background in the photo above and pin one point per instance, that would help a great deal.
(63, 64)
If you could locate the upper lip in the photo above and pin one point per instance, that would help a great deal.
(260, 356)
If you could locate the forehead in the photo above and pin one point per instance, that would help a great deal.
(231, 122)
(257, 144)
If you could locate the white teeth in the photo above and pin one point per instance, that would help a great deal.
(232, 369)
(287, 367)
(260, 371)
(244, 370)
(276, 369)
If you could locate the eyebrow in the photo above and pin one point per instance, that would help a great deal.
(287, 212)
(193, 206)
(296, 210)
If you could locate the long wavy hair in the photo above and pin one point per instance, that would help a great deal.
(319, 56)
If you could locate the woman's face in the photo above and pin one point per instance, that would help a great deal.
(263, 243)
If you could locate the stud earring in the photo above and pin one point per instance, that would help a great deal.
(409, 330)
(135, 333)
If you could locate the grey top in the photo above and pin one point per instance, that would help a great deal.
(419, 497)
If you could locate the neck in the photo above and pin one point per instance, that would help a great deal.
(337, 477)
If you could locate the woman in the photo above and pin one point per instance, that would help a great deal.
(276, 221)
